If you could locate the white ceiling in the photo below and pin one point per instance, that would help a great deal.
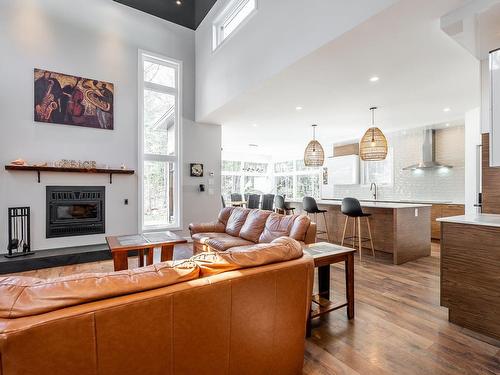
(421, 69)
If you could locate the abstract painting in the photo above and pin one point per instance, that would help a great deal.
(71, 100)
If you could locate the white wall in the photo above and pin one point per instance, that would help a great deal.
(281, 32)
(95, 39)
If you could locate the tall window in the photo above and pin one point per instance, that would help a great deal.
(159, 97)
(228, 21)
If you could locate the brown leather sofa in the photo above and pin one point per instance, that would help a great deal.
(238, 226)
(242, 311)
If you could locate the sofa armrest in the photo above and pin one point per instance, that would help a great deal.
(214, 227)
(310, 234)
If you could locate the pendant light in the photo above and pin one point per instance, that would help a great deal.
(314, 156)
(373, 145)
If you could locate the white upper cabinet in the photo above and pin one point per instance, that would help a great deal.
(344, 170)
(495, 108)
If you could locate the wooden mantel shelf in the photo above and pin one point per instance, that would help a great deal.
(111, 172)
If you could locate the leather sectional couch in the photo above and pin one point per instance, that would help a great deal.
(236, 227)
(241, 311)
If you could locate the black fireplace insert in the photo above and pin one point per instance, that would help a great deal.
(75, 210)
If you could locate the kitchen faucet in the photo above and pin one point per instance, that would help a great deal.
(374, 187)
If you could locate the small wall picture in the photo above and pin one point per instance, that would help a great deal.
(196, 169)
(72, 100)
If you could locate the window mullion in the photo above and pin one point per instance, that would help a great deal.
(150, 86)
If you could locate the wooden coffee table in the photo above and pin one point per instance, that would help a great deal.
(324, 255)
(120, 246)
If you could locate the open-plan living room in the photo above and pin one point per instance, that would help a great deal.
(250, 187)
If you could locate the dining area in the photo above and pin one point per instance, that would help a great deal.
(267, 202)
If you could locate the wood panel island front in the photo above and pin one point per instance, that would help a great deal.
(402, 229)
(470, 271)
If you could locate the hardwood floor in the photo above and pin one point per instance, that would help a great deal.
(399, 327)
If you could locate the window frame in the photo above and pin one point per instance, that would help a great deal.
(228, 13)
(175, 159)
(366, 164)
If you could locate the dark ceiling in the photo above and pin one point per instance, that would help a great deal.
(189, 13)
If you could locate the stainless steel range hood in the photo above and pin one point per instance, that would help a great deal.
(428, 153)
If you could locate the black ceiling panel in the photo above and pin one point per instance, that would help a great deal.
(189, 13)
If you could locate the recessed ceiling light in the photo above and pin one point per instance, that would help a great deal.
(253, 145)
(178, 2)
(447, 109)
(255, 125)
(447, 124)
(299, 108)
(374, 79)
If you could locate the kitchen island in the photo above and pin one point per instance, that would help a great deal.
(402, 229)
(470, 271)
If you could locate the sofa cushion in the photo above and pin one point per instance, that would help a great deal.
(279, 250)
(204, 237)
(254, 225)
(300, 227)
(236, 221)
(276, 226)
(24, 296)
(224, 241)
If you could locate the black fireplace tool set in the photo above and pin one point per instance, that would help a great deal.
(19, 232)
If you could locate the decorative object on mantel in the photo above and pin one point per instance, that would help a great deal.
(18, 162)
(373, 145)
(70, 100)
(314, 156)
(87, 164)
(19, 232)
(37, 169)
(196, 169)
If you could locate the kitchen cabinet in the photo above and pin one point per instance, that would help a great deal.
(443, 210)
(339, 170)
(344, 170)
(495, 108)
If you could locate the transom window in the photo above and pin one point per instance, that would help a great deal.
(231, 18)
(159, 97)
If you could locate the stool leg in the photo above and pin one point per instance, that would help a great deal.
(354, 233)
(359, 237)
(345, 228)
(370, 235)
(326, 227)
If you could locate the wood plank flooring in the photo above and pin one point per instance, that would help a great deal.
(399, 326)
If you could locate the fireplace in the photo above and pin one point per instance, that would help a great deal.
(75, 210)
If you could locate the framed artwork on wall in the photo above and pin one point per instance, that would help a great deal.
(71, 100)
(196, 169)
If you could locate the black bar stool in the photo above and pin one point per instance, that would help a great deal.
(352, 208)
(309, 205)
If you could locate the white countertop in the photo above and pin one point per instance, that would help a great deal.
(367, 204)
(487, 220)
(413, 201)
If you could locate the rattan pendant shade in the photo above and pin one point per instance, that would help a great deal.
(314, 156)
(373, 145)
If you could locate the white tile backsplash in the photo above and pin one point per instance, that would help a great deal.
(431, 185)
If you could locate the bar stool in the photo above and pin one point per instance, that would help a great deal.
(309, 205)
(352, 208)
